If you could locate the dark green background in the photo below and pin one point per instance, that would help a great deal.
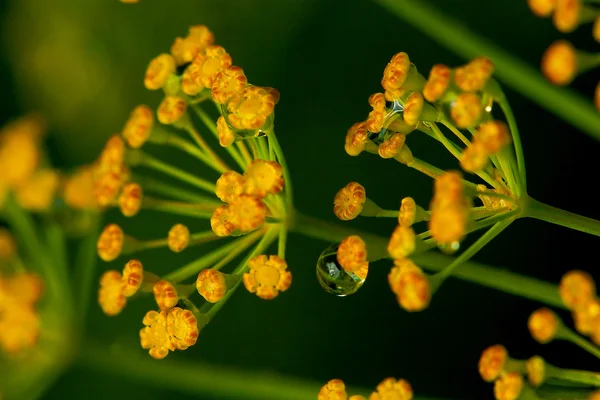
(82, 63)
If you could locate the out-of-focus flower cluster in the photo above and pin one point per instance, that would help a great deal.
(388, 389)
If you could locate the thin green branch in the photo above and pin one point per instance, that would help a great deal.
(516, 74)
(544, 212)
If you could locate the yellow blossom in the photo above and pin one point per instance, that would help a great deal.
(356, 139)
(408, 212)
(247, 212)
(349, 201)
(133, 276)
(110, 242)
(493, 136)
(251, 108)
(402, 242)
(352, 253)
(171, 110)
(226, 136)
(212, 61)
(438, 82)
(185, 49)
(392, 389)
(19, 329)
(394, 75)
(566, 15)
(182, 328)
(211, 284)
(159, 70)
(165, 295)
(179, 238)
(576, 288)
(267, 276)
(410, 285)
(508, 386)
(543, 325)
(542, 8)
(111, 296)
(221, 221)
(391, 146)
(559, 63)
(448, 224)
(333, 390)
(230, 185)
(466, 110)
(130, 199)
(154, 335)
(586, 316)
(138, 126)
(413, 108)
(78, 189)
(536, 370)
(264, 177)
(19, 149)
(227, 84)
(474, 157)
(191, 82)
(492, 362)
(474, 76)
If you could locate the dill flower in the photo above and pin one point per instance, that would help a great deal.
(78, 189)
(251, 108)
(352, 253)
(542, 8)
(226, 135)
(159, 70)
(466, 110)
(130, 199)
(356, 139)
(392, 389)
(184, 50)
(133, 276)
(221, 221)
(110, 242)
(474, 76)
(165, 295)
(391, 146)
(543, 325)
(179, 238)
(247, 212)
(566, 15)
(559, 63)
(8, 246)
(349, 201)
(263, 177)
(19, 329)
(171, 110)
(536, 370)
(410, 285)
(402, 242)
(492, 362)
(154, 336)
(230, 185)
(437, 83)
(19, 149)
(138, 127)
(333, 390)
(508, 386)
(413, 108)
(408, 212)
(211, 284)
(182, 328)
(576, 288)
(111, 295)
(394, 75)
(210, 62)
(586, 316)
(267, 276)
(227, 84)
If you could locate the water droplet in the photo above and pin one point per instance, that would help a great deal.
(449, 248)
(333, 278)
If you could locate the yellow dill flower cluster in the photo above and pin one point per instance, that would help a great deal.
(453, 108)
(244, 208)
(561, 61)
(578, 293)
(388, 389)
(20, 292)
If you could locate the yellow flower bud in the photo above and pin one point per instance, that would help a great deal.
(352, 253)
(576, 289)
(493, 136)
(159, 70)
(263, 178)
(559, 63)
(543, 325)
(229, 186)
(474, 157)
(198, 39)
(508, 386)
(133, 276)
(110, 242)
(211, 285)
(349, 201)
(492, 362)
(165, 295)
(182, 328)
(475, 75)
(111, 296)
(267, 276)
(191, 82)
(78, 189)
(402, 242)
(536, 371)
(19, 149)
(586, 316)
(408, 212)
(413, 108)
(251, 108)
(438, 82)
(410, 285)
(227, 84)
(226, 136)
(179, 238)
(130, 199)
(392, 389)
(466, 110)
(566, 15)
(139, 126)
(356, 139)
(214, 60)
(333, 390)
(448, 224)
(171, 109)
(221, 221)
(19, 329)
(391, 146)
(394, 75)
(542, 8)
(247, 212)
(154, 335)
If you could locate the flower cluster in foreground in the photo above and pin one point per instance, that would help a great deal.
(388, 389)
(562, 62)
(248, 203)
(453, 107)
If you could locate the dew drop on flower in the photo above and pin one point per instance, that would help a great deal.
(333, 278)
(449, 248)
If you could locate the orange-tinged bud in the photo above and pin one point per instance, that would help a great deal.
(543, 325)
(392, 389)
(111, 296)
(182, 328)
(576, 289)
(333, 390)
(475, 75)
(542, 8)
(19, 329)
(110, 242)
(492, 362)
(19, 149)
(352, 253)
(267, 276)
(198, 39)
(566, 15)
(38, 193)
(408, 212)
(227, 84)
(221, 221)
(413, 108)
(410, 285)
(139, 126)
(8, 246)
(438, 82)
(191, 82)
(263, 178)
(229, 186)
(559, 63)
(247, 212)
(448, 189)
(171, 109)
(536, 371)
(212, 285)
(226, 136)
(474, 157)
(159, 70)
(395, 74)
(448, 224)
(113, 152)
(466, 110)
(586, 316)
(349, 201)
(133, 276)
(356, 139)
(107, 183)
(214, 60)
(508, 386)
(78, 189)
(130, 199)
(154, 335)
(402, 243)
(493, 135)
(251, 108)
(374, 122)
(20, 290)
(165, 295)
(391, 146)
(179, 238)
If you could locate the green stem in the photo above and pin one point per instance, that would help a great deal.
(289, 197)
(516, 74)
(481, 274)
(204, 211)
(516, 138)
(153, 185)
(567, 334)
(586, 378)
(544, 212)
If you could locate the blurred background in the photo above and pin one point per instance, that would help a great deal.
(81, 64)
